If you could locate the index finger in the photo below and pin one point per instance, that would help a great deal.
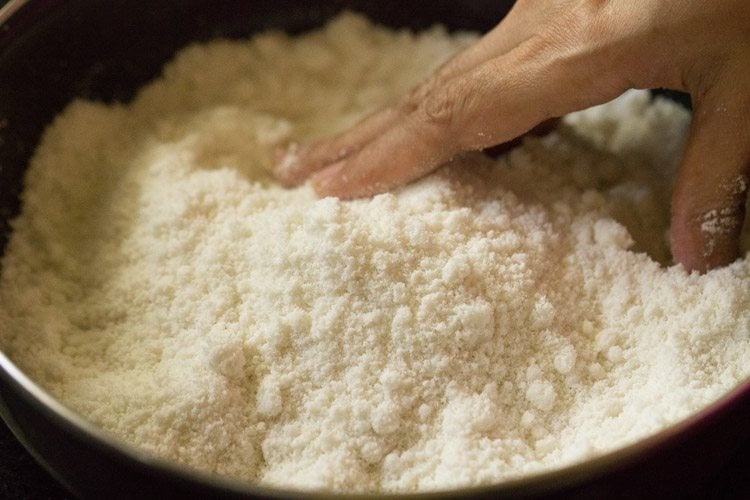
(497, 101)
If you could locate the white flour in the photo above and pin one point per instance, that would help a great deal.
(484, 323)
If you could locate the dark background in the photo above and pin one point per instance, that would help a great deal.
(20, 476)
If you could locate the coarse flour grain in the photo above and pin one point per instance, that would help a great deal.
(497, 318)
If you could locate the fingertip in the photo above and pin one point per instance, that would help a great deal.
(345, 181)
(329, 181)
(686, 251)
(280, 152)
(286, 167)
(706, 242)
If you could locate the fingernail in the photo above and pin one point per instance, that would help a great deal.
(325, 181)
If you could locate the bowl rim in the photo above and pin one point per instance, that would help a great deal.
(543, 481)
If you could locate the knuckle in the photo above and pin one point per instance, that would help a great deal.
(417, 95)
(439, 106)
(434, 101)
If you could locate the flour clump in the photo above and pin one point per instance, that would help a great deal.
(497, 318)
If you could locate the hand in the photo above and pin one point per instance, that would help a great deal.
(548, 58)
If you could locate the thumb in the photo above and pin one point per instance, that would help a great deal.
(708, 203)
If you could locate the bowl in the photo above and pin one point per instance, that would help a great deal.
(52, 52)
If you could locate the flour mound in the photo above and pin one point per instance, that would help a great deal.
(495, 319)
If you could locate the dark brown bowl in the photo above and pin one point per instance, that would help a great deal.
(52, 51)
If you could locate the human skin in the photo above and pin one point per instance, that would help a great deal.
(548, 58)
